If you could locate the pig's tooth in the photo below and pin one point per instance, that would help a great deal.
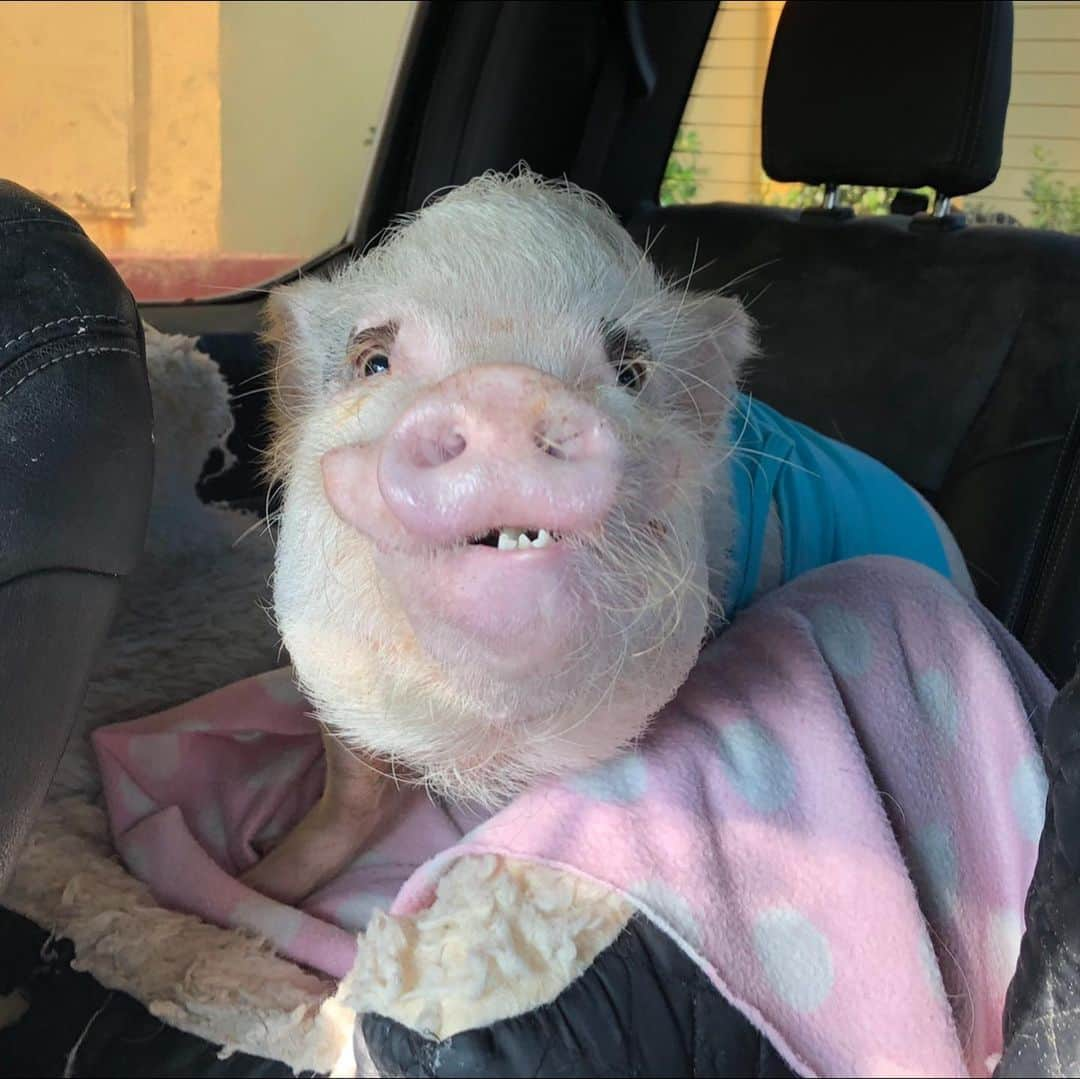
(516, 539)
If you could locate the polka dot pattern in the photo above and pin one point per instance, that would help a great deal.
(271, 920)
(158, 755)
(193, 725)
(621, 781)
(929, 961)
(1027, 789)
(1006, 932)
(757, 765)
(136, 802)
(666, 903)
(747, 824)
(283, 768)
(796, 958)
(937, 698)
(138, 860)
(844, 639)
(280, 686)
(271, 832)
(353, 912)
(211, 829)
(936, 855)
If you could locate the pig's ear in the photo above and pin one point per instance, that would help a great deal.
(713, 339)
(294, 322)
(294, 325)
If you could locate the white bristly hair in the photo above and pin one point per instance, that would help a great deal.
(506, 269)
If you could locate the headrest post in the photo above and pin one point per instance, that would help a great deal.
(831, 197)
(941, 205)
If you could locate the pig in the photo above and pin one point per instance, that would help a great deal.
(505, 452)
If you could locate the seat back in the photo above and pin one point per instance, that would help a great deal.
(951, 352)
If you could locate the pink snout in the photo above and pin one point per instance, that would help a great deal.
(487, 447)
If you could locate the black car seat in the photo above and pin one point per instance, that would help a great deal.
(949, 351)
(76, 460)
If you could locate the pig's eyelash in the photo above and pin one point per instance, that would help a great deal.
(628, 354)
(362, 343)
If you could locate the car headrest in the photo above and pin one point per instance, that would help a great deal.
(890, 93)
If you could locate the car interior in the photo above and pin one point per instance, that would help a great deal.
(849, 309)
(947, 349)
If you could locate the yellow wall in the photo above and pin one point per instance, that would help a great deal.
(301, 84)
(197, 126)
(177, 128)
(725, 105)
(1044, 109)
(193, 126)
(111, 110)
(45, 138)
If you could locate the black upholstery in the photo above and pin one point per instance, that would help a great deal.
(952, 354)
(75, 474)
(116, 1036)
(892, 93)
(1042, 1036)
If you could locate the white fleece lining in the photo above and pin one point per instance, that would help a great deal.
(223, 985)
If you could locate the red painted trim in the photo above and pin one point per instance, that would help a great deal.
(155, 276)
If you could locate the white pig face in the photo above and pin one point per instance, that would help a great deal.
(494, 432)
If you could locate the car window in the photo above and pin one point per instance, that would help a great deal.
(206, 146)
(717, 152)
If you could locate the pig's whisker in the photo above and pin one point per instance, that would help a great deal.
(745, 451)
(260, 390)
(682, 298)
(748, 273)
(631, 277)
(748, 304)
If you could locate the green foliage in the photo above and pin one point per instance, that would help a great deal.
(1055, 203)
(680, 183)
(864, 200)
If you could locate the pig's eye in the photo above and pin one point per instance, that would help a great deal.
(373, 363)
(629, 355)
(368, 350)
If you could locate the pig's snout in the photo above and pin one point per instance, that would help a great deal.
(499, 446)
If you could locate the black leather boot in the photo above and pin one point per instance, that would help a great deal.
(76, 464)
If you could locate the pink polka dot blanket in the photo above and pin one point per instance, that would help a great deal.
(837, 819)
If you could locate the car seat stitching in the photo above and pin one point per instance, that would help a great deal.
(987, 33)
(57, 322)
(29, 225)
(1071, 502)
(967, 135)
(66, 356)
(1026, 570)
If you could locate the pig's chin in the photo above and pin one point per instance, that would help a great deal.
(515, 613)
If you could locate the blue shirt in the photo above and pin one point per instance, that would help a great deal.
(833, 502)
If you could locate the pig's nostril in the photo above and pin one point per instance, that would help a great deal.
(552, 449)
(430, 452)
(453, 445)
